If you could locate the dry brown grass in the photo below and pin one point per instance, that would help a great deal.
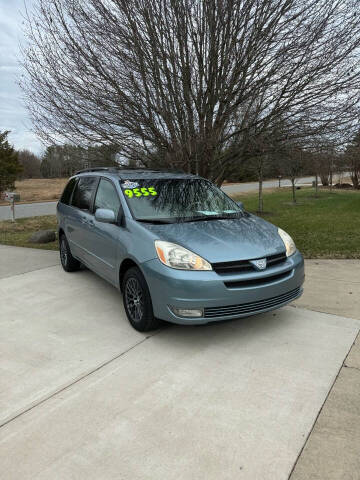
(40, 189)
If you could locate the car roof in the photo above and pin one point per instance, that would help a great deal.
(129, 174)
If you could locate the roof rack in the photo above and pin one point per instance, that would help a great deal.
(119, 169)
(97, 169)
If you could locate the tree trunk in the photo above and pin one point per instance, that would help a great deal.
(293, 190)
(331, 180)
(316, 185)
(261, 202)
(324, 179)
(355, 180)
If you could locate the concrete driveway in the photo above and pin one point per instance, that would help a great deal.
(84, 396)
(17, 260)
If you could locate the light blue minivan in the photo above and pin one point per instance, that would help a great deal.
(177, 247)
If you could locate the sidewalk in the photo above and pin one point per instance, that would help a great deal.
(332, 286)
(332, 450)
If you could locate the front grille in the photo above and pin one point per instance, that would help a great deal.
(244, 308)
(243, 265)
(254, 282)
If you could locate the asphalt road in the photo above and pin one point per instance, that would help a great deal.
(24, 210)
(49, 208)
(235, 188)
(83, 395)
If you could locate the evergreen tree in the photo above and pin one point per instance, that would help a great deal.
(10, 167)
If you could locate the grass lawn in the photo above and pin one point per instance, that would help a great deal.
(324, 227)
(18, 233)
(39, 189)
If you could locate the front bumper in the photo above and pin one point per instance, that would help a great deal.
(273, 288)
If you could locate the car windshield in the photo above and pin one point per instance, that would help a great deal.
(177, 200)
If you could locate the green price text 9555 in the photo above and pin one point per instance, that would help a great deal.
(140, 192)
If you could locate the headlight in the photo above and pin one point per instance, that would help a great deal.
(175, 256)
(288, 241)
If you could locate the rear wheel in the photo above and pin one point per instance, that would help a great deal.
(137, 301)
(68, 262)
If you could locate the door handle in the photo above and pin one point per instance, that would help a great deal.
(86, 221)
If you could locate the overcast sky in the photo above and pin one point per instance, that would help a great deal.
(13, 115)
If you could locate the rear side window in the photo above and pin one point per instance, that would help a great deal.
(83, 193)
(65, 197)
(107, 197)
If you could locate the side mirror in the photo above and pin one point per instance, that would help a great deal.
(241, 205)
(105, 215)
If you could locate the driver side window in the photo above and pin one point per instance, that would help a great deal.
(107, 197)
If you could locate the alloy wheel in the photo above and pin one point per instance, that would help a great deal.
(63, 252)
(134, 299)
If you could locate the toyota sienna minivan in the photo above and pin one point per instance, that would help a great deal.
(177, 247)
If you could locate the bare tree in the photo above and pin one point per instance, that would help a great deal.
(186, 80)
(352, 160)
(261, 149)
(325, 163)
(292, 164)
(30, 163)
(325, 155)
(64, 160)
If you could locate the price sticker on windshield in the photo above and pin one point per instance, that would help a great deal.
(140, 192)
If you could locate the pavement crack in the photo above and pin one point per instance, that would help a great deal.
(77, 380)
(357, 339)
(349, 366)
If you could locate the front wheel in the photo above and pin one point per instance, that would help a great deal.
(137, 301)
(68, 262)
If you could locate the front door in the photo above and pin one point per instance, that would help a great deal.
(106, 246)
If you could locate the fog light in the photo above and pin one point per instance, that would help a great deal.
(187, 312)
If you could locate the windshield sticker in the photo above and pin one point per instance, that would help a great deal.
(210, 212)
(140, 192)
(207, 212)
(129, 184)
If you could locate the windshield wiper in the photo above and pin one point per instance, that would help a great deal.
(211, 217)
(152, 220)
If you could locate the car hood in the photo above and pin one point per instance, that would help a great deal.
(223, 240)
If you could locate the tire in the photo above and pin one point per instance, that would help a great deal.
(68, 262)
(137, 301)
